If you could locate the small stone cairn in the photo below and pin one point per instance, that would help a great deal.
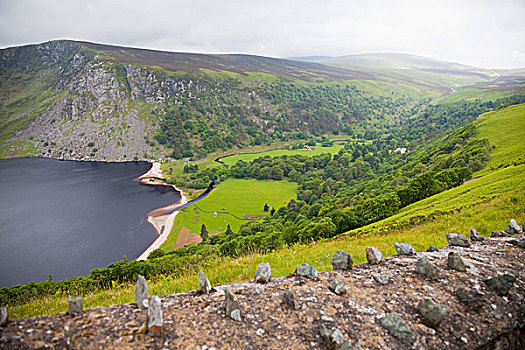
(334, 338)
(342, 261)
(289, 301)
(4, 316)
(518, 242)
(263, 273)
(501, 284)
(74, 305)
(513, 228)
(455, 262)
(475, 237)
(457, 240)
(337, 287)
(141, 293)
(204, 284)
(307, 271)
(404, 249)
(432, 311)
(473, 299)
(373, 255)
(154, 316)
(232, 305)
(398, 328)
(426, 268)
(432, 249)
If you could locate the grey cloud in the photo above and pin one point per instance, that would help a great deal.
(480, 33)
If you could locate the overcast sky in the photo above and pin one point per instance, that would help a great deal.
(481, 33)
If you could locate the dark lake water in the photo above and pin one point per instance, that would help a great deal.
(66, 218)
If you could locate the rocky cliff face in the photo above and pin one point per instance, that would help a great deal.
(76, 104)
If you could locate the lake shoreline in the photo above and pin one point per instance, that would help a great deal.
(161, 221)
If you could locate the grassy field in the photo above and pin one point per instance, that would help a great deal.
(236, 198)
(248, 157)
(489, 93)
(175, 168)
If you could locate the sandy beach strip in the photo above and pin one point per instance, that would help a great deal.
(162, 218)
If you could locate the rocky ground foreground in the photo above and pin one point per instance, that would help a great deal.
(403, 302)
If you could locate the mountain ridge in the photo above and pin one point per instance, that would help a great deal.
(79, 100)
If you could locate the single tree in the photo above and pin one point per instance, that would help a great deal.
(272, 212)
(266, 207)
(228, 231)
(204, 233)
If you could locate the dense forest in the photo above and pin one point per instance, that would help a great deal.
(224, 113)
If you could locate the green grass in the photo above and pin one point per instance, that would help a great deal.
(237, 197)
(248, 157)
(504, 129)
(490, 93)
(508, 180)
(19, 149)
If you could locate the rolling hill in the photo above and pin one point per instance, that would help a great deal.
(432, 73)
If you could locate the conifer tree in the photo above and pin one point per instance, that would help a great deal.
(204, 233)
